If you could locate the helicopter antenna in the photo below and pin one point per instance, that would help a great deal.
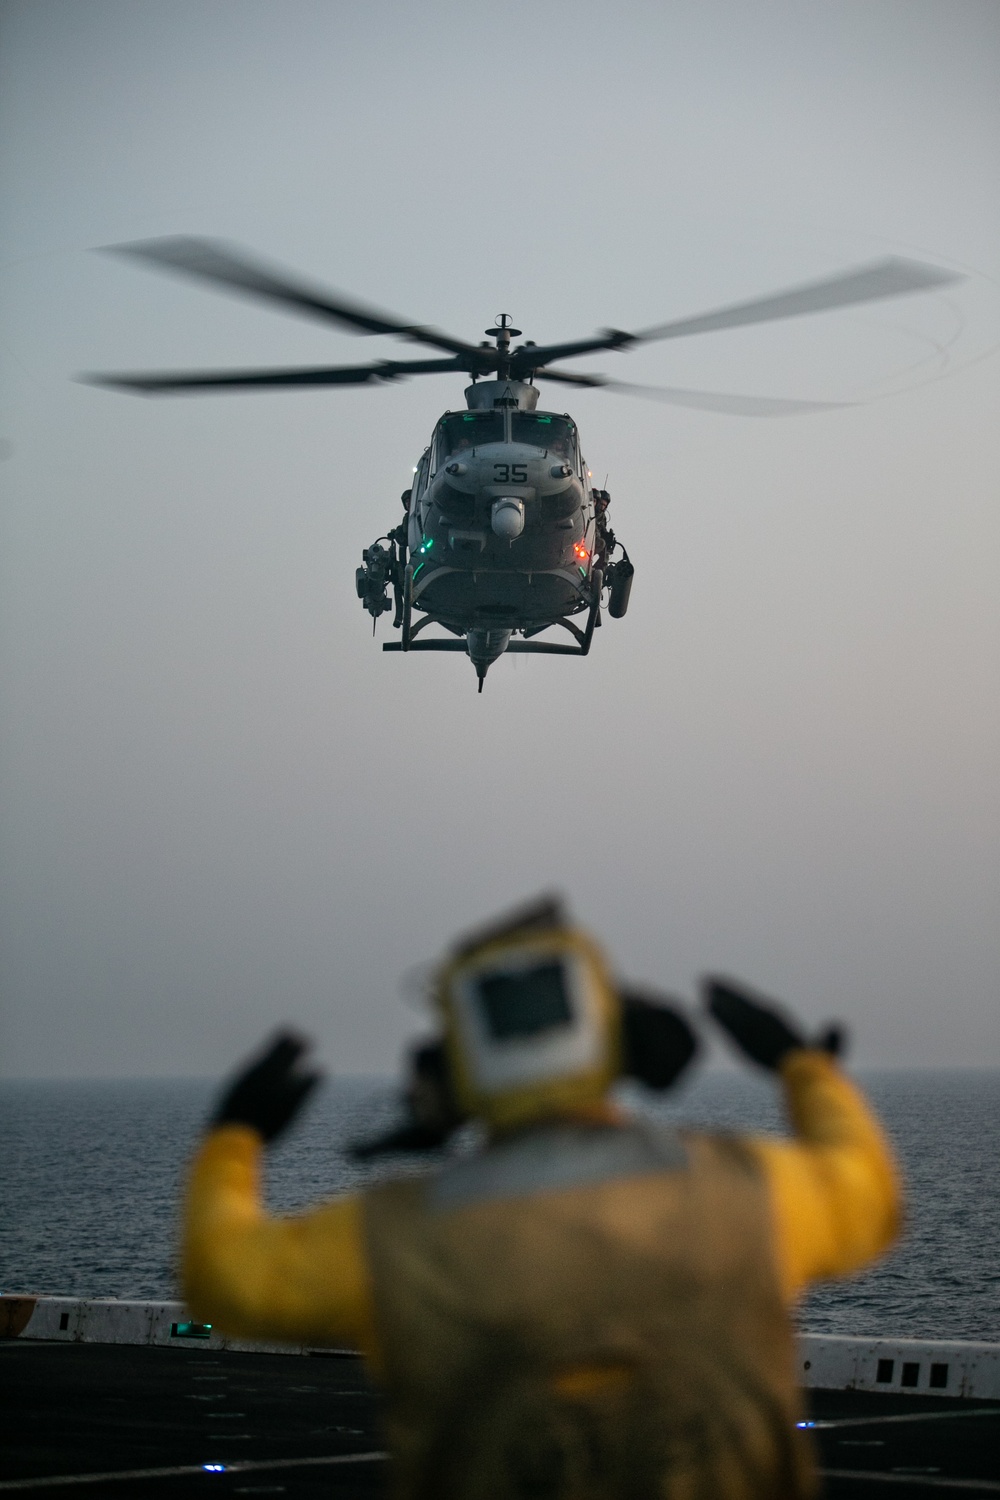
(503, 332)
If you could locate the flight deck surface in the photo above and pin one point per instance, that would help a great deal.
(166, 1422)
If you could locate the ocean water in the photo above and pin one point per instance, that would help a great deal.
(90, 1177)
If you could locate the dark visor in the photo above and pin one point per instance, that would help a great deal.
(525, 1003)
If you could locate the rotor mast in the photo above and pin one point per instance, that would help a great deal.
(504, 387)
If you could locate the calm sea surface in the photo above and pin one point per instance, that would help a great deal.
(90, 1177)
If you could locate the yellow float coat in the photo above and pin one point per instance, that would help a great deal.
(830, 1204)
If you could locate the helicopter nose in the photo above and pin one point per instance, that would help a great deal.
(507, 517)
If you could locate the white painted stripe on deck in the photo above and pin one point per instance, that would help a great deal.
(242, 1466)
(909, 1416)
(869, 1476)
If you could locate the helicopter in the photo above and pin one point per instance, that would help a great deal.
(504, 535)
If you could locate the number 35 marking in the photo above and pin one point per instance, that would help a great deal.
(510, 473)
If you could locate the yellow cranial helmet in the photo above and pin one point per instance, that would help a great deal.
(531, 1018)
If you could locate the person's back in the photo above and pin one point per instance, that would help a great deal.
(585, 1310)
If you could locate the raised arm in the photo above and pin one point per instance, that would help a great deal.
(301, 1279)
(835, 1191)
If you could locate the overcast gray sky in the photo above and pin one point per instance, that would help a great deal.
(222, 805)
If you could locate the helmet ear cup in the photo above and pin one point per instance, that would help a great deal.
(433, 1114)
(657, 1042)
(431, 1091)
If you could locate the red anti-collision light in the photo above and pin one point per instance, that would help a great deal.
(580, 551)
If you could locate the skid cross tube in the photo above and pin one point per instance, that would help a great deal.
(516, 648)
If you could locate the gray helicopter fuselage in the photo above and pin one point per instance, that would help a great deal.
(502, 522)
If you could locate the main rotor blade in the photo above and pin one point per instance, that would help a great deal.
(894, 277)
(213, 261)
(166, 382)
(884, 278)
(717, 401)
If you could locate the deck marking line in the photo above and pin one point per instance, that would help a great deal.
(241, 1466)
(934, 1479)
(924, 1416)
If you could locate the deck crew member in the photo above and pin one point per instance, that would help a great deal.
(590, 1306)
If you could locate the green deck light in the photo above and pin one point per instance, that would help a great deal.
(190, 1330)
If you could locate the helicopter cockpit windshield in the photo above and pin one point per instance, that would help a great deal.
(469, 429)
(556, 434)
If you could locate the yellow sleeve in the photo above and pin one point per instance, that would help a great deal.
(302, 1279)
(835, 1190)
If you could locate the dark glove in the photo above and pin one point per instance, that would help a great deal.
(759, 1027)
(270, 1092)
(657, 1042)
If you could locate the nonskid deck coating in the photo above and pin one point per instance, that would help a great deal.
(310, 1427)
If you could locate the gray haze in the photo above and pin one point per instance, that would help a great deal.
(223, 806)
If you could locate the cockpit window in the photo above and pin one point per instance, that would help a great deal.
(557, 434)
(469, 429)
